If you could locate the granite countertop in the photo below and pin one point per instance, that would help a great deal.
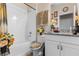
(62, 34)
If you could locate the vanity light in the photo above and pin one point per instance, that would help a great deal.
(53, 21)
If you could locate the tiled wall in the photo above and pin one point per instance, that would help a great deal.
(17, 21)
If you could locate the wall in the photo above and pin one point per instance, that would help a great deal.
(77, 7)
(31, 25)
(42, 7)
(17, 25)
(67, 21)
(17, 20)
(32, 4)
(59, 7)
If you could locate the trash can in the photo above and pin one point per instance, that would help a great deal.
(37, 48)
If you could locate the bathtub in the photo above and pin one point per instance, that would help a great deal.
(20, 49)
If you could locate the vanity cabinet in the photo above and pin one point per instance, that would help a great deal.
(52, 48)
(58, 46)
(69, 50)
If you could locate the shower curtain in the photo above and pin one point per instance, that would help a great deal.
(3, 27)
(3, 18)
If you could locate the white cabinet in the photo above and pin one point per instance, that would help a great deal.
(69, 50)
(61, 46)
(52, 48)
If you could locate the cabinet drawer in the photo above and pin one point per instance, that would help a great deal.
(67, 39)
(53, 37)
(73, 40)
(69, 49)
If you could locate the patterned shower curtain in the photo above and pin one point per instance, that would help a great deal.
(3, 27)
(3, 18)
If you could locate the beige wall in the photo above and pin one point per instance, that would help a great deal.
(42, 7)
(59, 7)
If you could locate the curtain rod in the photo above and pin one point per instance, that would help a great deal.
(30, 6)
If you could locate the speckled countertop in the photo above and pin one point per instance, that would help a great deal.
(62, 34)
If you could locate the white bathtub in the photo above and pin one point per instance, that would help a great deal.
(20, 49)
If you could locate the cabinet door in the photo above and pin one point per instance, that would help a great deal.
(69, 50)
(51, 48)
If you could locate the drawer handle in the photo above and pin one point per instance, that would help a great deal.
(57, 46)
(61, 48)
